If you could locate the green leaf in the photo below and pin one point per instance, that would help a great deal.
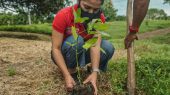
(92, 23)
(105, 35)
(74, 32)
(100, 26)
(68, 43)
(77, 16)
(159, 71)
(89, 43)
(92, 32)
(90, 27)
(102, 50)
(81, 20)
(96, 20)
(78, 12)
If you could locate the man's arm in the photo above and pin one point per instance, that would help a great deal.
(95, 59)
(140, 8)
(56, 51)
(95, 53)
(57, 39)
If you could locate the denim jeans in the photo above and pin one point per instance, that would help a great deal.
(69, 53)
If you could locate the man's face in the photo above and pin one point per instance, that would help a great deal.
(90, 6)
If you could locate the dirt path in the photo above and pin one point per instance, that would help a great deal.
(154, 33)
(122, 53)
(33, 72)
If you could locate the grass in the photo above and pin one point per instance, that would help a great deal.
(11, 71)
(152, 57)
(117, 29)
(37, 28)
(162, 39)
(152, 67)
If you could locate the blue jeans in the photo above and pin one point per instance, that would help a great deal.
(69, 53)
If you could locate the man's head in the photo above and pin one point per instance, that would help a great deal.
(91, 6)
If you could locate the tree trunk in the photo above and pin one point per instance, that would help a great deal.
(131, 84)
(29, 17)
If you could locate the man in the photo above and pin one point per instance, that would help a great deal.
(64, 55)
(140, 8)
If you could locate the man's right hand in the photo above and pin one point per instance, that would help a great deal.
(129, 39)
(69, 83)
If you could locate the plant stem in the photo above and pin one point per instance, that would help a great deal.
(78, 68)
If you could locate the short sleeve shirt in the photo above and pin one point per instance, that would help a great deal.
(64, 20)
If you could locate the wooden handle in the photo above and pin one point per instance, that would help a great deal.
(131, 84)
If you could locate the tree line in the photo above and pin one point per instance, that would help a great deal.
(40, 11)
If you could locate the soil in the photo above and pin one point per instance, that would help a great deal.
(33, 71)
(35, 74)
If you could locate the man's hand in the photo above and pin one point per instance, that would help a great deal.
(129, 39)
(92, 79)
(69, 83)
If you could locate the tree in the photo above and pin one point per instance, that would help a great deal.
(167, 1)
(40, 8)
(120, 18)
(155, 13)
(109, 10)
(162, 14)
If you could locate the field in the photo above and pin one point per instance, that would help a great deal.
(152, 65)
(26, 67)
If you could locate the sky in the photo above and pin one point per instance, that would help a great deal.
(121, 6)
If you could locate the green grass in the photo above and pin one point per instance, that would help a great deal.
(117, 29)
(152, 67)
(37, 28)
(165, 39)
(152, 57)
(11, 71)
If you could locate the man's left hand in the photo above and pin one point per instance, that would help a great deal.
(92, 79)
(129, 39)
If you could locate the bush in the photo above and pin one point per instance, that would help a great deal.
(41, 28)
(10, 19)
(20, 19)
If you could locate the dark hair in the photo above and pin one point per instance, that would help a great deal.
(78, 1)
(102, 1)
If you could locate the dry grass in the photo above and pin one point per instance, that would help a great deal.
(34, 72)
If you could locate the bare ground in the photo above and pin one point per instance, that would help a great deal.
(34, 72)
(32, 68)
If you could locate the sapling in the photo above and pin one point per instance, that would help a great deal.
(95, 27)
